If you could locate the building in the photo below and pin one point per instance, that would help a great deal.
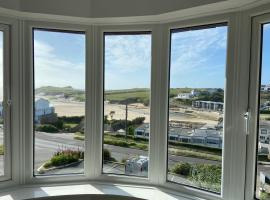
(204, 136)
(265, 88)
(189, 95)
(142, 131)
(42, 108)
(184, 96)
(264, 132)
(208, 105)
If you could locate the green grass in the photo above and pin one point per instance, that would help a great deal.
(1, 149)
(130, 96)
(68, 92)
(264, 196)
(79, 136)
(70, 125)
(196, 148)
(194, 154)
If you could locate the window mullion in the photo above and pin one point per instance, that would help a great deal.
(158, 110)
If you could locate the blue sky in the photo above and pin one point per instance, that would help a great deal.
(265, 77)
(198, 59)
(59, 59)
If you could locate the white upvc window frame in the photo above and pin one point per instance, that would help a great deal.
(158, 108)
(234, 147)
(6, 101)
(132, 29)
(234, 152)
(28, 75)
(254, 91)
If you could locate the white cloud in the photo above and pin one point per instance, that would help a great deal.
(193, 50)
(51, 69)
(127, 53)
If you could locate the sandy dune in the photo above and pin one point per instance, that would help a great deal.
(135, 110)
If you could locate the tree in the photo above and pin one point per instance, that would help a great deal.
(131, 130)
(112, 112)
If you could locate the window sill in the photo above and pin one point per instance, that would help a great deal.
(29, 191)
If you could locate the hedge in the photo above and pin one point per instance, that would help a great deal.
(48, 128)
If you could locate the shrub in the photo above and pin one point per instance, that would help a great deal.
(116, 143)
(264, 196)
(63, 157)
(131, 130)
(138, 121)
(48, 128)
(71, 119)
(62, 160)
(205, 174)
(264, 111)
(107, 155)
(59, 124)
(182, 169)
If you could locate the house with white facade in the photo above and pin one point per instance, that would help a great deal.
(265, 88)
(42, 108)
(189, 95)
(208, 105)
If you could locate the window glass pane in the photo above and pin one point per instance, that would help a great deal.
(263, 159)
(2, 134)
(59, 102)
(196, 107)
(126, 104)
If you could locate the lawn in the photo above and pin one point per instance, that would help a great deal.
(132, 96)
(70, 125)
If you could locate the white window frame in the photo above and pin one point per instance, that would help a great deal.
(128, 31)
(233, 145)
(158, 108)
(234, 154)
(254, 91)
(28, 99)
(6, 102)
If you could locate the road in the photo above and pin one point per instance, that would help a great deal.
(47, 144)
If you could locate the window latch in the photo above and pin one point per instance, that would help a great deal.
(246, 117)
(9, 102)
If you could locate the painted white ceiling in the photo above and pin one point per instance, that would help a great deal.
(112, 8)
(102, 8)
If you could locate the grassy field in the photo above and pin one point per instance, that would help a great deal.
(1, 149)
(130, 96)
(136, 95)
(67, 92)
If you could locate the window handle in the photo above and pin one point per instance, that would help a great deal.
(246, 117)
(9, 102)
